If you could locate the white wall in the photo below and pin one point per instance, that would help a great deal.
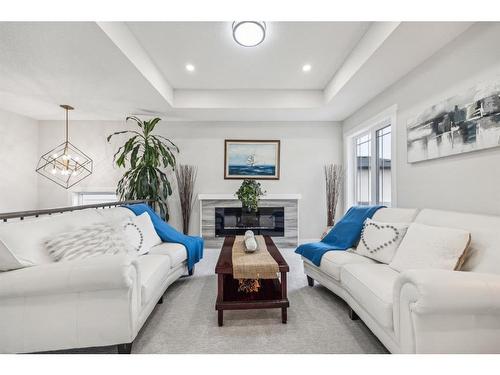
(18, 160)
(305, 148)
(468, 182)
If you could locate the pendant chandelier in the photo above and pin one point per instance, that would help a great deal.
(65, 164)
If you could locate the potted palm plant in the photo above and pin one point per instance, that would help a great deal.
(147, 157)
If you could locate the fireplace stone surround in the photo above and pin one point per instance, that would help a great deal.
(209, 203)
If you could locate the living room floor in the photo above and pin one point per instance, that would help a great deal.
(186, 322)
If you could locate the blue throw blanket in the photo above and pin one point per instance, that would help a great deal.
(344, 235)
(194, 245)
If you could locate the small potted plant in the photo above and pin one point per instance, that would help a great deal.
(249, 193)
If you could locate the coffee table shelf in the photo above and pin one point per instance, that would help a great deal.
(269, 290)
(272, 293)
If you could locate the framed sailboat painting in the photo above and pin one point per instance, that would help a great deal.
(257, 159)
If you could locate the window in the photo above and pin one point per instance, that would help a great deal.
(372, 166)
(384, 166)
(363, 169)
(84, 198)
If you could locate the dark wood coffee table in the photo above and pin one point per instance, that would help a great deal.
(271, 295)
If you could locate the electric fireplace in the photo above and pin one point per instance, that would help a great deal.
(236, 220)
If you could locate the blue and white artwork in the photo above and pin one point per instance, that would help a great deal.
(252, 159)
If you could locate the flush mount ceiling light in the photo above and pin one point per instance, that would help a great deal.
(190, 67)
(249, 33)
(65, 164)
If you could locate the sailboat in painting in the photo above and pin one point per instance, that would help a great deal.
(253, 167)
(251, 160)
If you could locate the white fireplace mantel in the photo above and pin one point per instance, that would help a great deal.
(204, 197)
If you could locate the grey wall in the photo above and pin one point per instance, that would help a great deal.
(18, 160)
(467, 182)
(305, 148)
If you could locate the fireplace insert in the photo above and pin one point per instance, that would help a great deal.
(236, 220)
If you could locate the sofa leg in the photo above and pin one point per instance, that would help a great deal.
(191, 271)
(310, 281)
(352, 314)
(124, 348)
(160, 301)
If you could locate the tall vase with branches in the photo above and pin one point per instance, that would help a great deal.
(334, 178)
(148, 157)
(186, 179)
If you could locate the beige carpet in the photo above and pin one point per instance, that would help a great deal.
(186, 322)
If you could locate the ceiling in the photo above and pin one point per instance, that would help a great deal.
(44, 64)
(222, 64)
(109, 70)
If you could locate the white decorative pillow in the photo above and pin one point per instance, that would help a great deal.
(149, 236)
(426, 246)
(133, 236)
(86, 242)
(379, 241)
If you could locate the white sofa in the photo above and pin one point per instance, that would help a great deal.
(424, 311)
(83, 303)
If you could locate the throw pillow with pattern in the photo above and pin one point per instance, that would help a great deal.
(379, 241)
(88, 241)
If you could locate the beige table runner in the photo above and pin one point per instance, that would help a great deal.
(257, 265)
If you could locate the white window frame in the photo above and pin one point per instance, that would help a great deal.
(76, 196)
(381, 120)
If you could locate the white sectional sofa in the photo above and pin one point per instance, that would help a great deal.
(425, 310)
(83, 303)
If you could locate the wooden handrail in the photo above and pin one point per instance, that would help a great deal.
(49, 211)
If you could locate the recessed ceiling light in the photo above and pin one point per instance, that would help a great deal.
(249, 33)
(306, 68)
(190, 67)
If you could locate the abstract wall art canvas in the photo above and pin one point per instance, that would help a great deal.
(466, 122)
(258, 159)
